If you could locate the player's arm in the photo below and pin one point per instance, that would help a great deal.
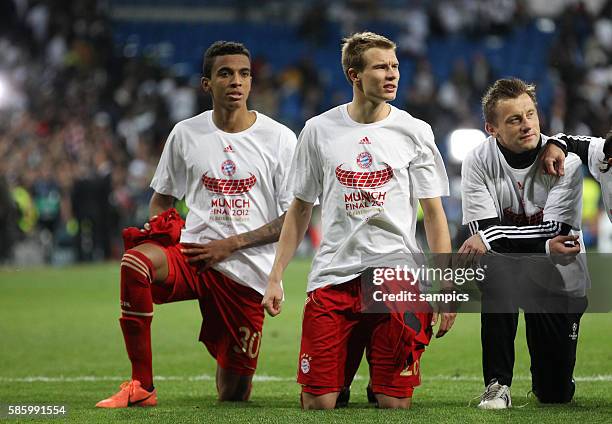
(294, 228)
(307, 176)
(160, 203)
(490, 235)
(170, 179)
(438, 239)
(557, 148)
(436, 225)
(217, 251)
(266, 234)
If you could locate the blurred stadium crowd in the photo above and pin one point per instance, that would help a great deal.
(84, 116)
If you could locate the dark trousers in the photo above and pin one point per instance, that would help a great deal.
(552, 340)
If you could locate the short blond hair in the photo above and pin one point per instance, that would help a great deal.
(354, 46)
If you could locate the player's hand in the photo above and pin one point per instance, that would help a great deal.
(209, 254)
(446, 319)
(553, 160)
(471, 250)
(564, 245)
(563, 249)
(273, 298)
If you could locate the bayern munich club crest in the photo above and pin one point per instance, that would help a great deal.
(305, 363)
(364, 160)
(228, 168)
(369, 178)
(228, 186)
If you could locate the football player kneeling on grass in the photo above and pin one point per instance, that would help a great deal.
(230, 165)
(369, 164)
(512, 207)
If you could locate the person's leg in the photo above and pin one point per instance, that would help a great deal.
(497, 333)
(233, 387)
(552, 340)
(501, 294)
(356, 347)
(140, 267)
(394, 353)
(149, 274)
(329, 345)
(232, 324)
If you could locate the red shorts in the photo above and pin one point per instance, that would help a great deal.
(232, 313)
(335, 333)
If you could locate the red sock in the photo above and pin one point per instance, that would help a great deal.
(137, 314)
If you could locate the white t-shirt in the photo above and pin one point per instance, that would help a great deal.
(232, 183)
(368, 178)
(596, 157)
(523, 199)
(491, 188)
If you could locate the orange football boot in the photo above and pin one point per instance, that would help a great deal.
(131, 394)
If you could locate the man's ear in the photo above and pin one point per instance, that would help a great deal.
(353, 75)
(205, 82)
(490, 129)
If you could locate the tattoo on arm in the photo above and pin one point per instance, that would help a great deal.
(268, 233)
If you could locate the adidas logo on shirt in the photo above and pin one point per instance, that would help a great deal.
(365, 140)
(228, 149)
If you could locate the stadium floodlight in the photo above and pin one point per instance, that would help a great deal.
(461, 141)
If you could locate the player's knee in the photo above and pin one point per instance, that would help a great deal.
(388, 402)
(233, 387)
(147, 258)
(326, 401)
(234, 394)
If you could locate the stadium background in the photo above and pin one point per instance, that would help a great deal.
(89, 90)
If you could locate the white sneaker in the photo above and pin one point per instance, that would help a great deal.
(495, 396)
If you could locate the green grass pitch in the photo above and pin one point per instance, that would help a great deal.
(60, 343)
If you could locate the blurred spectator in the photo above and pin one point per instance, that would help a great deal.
(8, 221)
(83, 119)
(314, 25)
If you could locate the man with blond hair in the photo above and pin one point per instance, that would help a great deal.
(369, 164)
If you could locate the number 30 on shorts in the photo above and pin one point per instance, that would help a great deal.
(250, 342)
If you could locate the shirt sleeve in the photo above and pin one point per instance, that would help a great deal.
(585, 147)
(564, 202)
(171, 175)
(590, 150)
(596, 157)
(281, 177)
(605, 180)
(427, 171)
(511, 239)
(476, 200)
(307, 168)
